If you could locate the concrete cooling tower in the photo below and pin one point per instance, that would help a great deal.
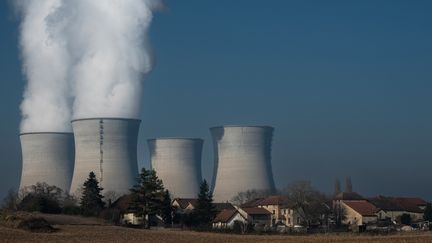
(242, 160)
(177, 161)
(108, 147)
(47, 157)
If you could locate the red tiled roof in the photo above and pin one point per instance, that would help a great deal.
(225, 215)
(362, 207)
(411, 204)
(253, 211)
(252, 203)
(386, 203)
(273, 200)
(223, 206)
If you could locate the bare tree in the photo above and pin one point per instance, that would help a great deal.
(249, 195)
(339, 214)
(337, 189)
(110, 197)
(309, 202)
(10, 202)
(348, 184)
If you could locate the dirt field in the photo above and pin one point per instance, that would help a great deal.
(97, 233)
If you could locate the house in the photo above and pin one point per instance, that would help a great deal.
(281, 209)
(226, 219)
(223, 206)
(256, 216)
(394, 207)
(358, 212)
(413, 206)
(184, 205)
(127, 216)
(388, 208)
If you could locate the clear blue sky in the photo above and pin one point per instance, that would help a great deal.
(346, 84)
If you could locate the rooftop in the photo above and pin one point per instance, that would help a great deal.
(362, 207)
(225, 215)
(256, 211)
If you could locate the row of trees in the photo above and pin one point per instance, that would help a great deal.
(148, 198)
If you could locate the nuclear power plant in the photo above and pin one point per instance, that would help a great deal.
(108, 147)
(177, 161)
(242, 160)
(47, 157)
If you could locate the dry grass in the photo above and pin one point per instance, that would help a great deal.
(97, 233)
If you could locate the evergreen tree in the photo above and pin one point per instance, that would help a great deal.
(205, 211)
(91, 200)
(147, 195)
(167, 209)
(428, 212)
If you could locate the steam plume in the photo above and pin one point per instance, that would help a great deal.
(108, 40)
(95, 52)
(46, 105)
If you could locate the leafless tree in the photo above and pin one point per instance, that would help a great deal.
(348, 184)
(339, 214)
(309, 202)
(337, 187)
(10, 202)
(110, 197)
(249, 195)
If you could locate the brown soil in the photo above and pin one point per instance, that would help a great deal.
(99, 233)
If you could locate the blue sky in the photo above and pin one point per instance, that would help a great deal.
(346, 84)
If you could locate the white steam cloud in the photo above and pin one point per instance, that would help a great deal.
(95, 51)
(46, 105)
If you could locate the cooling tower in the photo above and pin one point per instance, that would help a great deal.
(108, 147)
(177, 161)
(242, 160)
(47, 157)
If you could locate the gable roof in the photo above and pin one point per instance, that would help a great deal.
(386, 203)
(411, 204)
(348, 196)
(363, 207)
(270, 200)
(122, 203)
(223, 206)
(252, 203)
(256, 211)
(273, 200)
(225, 216)
(184, 202)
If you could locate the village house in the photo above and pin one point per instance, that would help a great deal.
(256, 216)
(413, 206)
(227, 218)
(394, 207)
(184, 205)
(388, 208)
(281, 209)
(358, 212)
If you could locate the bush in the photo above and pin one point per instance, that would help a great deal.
(34, 202)
(36, 225)
(71, 210)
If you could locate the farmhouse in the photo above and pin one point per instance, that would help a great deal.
(227, 217)
(359, 212)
